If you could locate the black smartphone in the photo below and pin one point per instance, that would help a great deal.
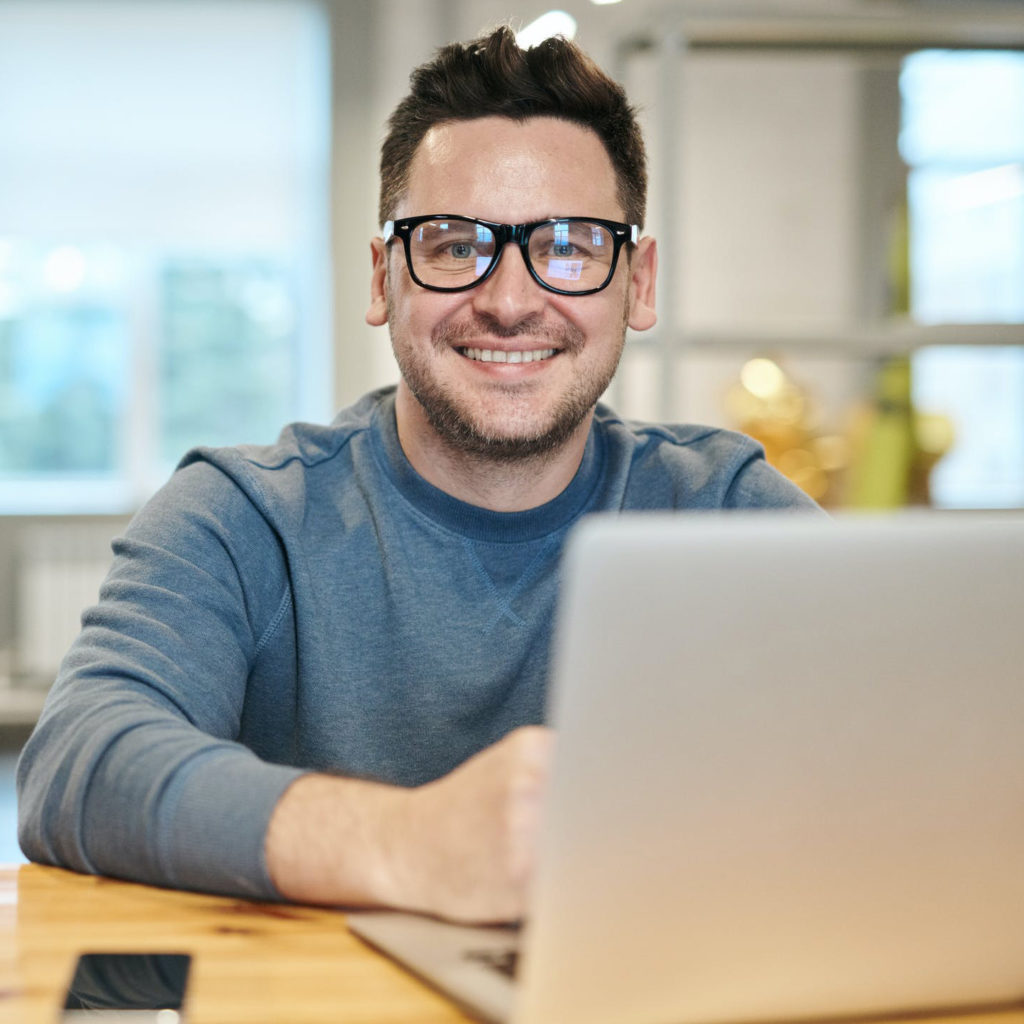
(129, 988)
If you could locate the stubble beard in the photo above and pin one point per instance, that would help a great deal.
(464, 433)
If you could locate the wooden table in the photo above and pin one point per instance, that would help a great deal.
(254, 963)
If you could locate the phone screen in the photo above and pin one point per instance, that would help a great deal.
(145, 986)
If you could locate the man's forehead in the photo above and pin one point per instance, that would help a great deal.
(495, 155)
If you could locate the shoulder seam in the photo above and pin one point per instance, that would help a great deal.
(299, 457)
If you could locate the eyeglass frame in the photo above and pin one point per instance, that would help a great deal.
(622, 234)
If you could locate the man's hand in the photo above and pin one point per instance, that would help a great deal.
(461, 847)
(465, 845)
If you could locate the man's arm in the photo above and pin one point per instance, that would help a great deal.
(461, 847)
(134, 768)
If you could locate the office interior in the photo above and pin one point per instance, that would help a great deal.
(188, 190)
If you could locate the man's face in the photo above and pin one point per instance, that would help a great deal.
(511, 172)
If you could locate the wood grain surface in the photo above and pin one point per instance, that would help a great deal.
(253, 963)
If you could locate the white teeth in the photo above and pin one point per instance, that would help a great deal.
(496, 355)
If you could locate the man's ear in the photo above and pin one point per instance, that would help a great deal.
(643, 274)
(377, 314)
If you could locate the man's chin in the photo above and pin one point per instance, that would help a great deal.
(496, 442)
(506, 447)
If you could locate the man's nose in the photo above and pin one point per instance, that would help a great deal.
(510, 293)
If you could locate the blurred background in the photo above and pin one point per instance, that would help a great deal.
(188, 187)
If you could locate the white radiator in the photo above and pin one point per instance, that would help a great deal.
(60, 569)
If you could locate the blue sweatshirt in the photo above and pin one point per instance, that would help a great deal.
(317, 605)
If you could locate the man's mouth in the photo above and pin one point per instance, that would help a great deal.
(497, 355)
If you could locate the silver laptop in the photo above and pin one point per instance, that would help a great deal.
(789, 779)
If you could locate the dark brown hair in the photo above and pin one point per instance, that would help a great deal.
(493, 76)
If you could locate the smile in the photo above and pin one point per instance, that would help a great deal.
(497, 355)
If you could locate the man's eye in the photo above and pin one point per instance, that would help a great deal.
(461, 250)
(563, 250)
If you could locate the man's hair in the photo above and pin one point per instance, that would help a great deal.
(493, 76)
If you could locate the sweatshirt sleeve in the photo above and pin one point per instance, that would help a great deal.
(134, 769)
(758, 485)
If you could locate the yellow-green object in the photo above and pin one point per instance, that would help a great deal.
(886, 448)
(898, 260)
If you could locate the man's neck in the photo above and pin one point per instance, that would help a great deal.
(500, 484)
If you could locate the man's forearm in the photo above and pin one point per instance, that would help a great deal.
(460, 847)
(328, 841)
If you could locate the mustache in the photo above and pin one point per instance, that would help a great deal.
(458, 332)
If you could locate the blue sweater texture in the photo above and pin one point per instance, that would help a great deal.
(317, 605)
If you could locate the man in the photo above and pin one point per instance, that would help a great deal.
(317, 670)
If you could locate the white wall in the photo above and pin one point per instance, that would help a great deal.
(770, 180)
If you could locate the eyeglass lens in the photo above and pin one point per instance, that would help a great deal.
(570, 255)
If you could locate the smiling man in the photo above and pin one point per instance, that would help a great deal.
(318, 669)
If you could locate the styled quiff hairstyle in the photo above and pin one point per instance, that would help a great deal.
(493, 76)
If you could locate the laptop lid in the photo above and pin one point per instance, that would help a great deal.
(790, 776)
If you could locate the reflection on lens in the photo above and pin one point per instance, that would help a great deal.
(564, 270)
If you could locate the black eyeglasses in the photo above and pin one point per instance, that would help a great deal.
(567, 255)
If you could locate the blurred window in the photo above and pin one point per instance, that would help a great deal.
(981, 390)
(963, 140)
(163, 239)
(962, 137)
